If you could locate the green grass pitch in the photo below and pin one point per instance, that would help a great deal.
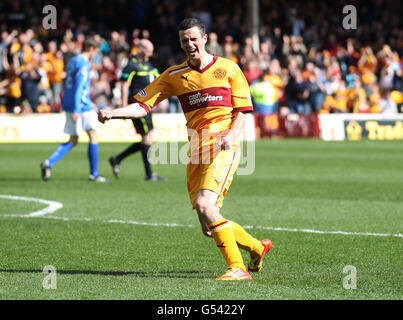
(131, 239)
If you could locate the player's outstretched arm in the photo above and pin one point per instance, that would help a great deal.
(133, 110)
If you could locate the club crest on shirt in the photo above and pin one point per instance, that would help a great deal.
(142, 93)
(219, 73)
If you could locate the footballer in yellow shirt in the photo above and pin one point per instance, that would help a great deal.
(214, 95)
(210, 98)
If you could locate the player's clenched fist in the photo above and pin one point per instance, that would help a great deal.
(104, 115)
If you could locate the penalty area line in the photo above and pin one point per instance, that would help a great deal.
(346, 233)
(52, 206)
(175, 225)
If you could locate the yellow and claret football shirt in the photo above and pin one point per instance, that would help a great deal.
(209, 96)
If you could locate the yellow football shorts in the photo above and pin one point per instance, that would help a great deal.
(216, 176)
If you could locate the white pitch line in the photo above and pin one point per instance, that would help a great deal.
(53, 206)
(398, 235)
(173, 225)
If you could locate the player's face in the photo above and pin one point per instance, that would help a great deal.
(193, 43)
(148, 52)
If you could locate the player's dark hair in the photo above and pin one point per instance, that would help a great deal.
(190, 23)
(90, 42)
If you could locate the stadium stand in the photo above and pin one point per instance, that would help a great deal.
(311, 63)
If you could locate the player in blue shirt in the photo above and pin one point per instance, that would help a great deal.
(80, 111)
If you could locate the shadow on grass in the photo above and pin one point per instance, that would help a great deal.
(141, 274)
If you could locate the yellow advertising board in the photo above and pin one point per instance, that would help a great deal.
(361, 126)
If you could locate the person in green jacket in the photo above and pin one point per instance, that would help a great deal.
(263, 96)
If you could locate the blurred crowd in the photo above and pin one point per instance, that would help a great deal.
(306, 61)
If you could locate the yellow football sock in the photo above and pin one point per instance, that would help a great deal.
(221, 231)
(245, 240)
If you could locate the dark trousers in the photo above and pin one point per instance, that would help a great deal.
(30, 91)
